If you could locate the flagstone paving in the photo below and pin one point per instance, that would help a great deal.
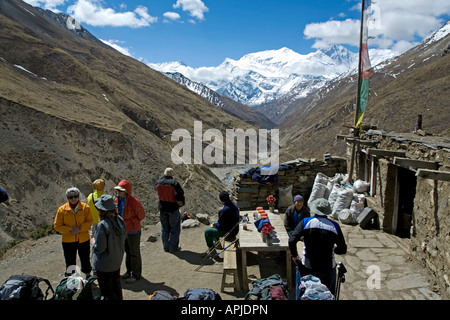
(380, 267)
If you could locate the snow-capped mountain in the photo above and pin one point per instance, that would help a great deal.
(265, 76)
(260, 77)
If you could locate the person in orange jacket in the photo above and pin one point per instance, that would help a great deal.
(73, 220)
(132, 212)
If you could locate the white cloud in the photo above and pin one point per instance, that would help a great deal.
(171, 16)
(114, 44)
(196, 8)
(397, 25)
(91, 12)
(46, 4)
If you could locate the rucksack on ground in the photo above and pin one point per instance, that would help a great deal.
(200, 294)
(25, 287)
(76, 288)
(271, 288)
(161, 295)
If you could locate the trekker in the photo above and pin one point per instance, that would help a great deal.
(228, 220)
(320, 237)
(98, 187)
(3, 195)
(295, 213)
(132, 212)
(73, 220)
(171, 198)
(109, 248)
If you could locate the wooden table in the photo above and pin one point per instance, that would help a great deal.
(250, 240)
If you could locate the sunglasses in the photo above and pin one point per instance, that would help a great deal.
(73, 197)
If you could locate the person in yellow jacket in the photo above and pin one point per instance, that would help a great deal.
(73, 220)
(98, 187)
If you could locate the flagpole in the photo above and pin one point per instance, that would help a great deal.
(358, 95)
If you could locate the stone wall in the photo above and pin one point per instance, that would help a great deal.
(300, 175)
(430, 220)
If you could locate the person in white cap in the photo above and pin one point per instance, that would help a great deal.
(322, 238)
(73, 220)
(171, 198)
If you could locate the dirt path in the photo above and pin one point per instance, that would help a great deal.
(401, 277)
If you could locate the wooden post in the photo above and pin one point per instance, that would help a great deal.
(396, 203)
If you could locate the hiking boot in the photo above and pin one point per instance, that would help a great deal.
(176, 250)
(131, 279)
(211, 254)
(126, 275)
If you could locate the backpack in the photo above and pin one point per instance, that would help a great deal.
(201, 294)
(24, 287)
(271, 288)
(76, 288)
(161, 295)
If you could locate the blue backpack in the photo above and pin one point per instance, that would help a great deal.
(201, 294)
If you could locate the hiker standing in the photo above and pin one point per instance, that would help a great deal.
(98, 187)
(3, 195)
(132, 212)
(73, 220)
(295, 213)
(171, 198)
(227, 222)
(320, 237)
(109, 248)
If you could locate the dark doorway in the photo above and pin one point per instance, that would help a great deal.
(407, 192)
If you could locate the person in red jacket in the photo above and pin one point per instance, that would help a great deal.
(132, 212)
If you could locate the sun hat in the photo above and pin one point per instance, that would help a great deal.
(105, 203)
(320, 207)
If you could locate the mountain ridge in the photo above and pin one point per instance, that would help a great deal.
(262, 77)
(74, 110)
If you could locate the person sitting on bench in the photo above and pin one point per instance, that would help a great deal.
(227, 223)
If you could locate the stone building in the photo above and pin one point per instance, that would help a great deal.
(409, 176)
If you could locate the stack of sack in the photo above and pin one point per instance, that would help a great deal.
(346, 200)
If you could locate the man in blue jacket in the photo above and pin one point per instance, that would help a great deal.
(322, 238)
(228, 220)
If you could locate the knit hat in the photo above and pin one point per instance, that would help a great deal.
(320, 207)
(298, 198)
(105, 203)
(72, 191)
(224, 196)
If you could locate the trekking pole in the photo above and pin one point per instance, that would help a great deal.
(340, 278)
(213, 248)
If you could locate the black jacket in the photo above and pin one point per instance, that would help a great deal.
(320, 237)
(289, 217)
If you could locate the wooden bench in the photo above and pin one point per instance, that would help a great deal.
(230, 268)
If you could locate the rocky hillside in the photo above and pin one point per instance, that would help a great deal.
(73, 110)
(414, 83)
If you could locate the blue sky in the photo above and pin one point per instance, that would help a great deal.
(205, 32)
